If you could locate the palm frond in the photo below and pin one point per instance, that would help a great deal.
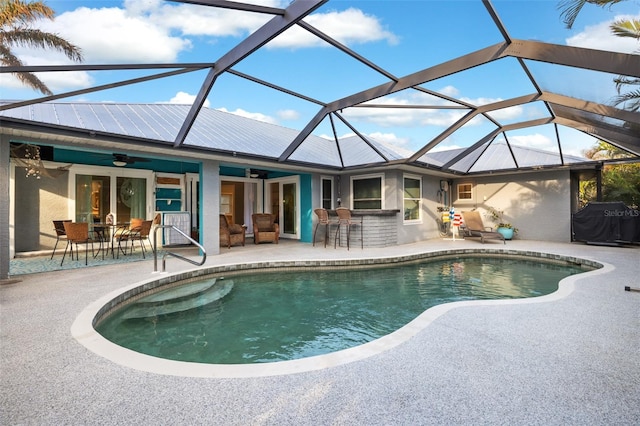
(623, 81)
(630, 99)
(40, 39)
(9, 59)
(626, 28)
(570, 9)
(18, 12)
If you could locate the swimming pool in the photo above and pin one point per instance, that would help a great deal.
(289, 315)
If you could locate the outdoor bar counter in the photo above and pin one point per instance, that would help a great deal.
(379, 228)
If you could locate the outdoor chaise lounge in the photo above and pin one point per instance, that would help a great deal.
(473, 227)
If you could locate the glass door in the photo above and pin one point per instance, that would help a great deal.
(97, 191)
(283, 201)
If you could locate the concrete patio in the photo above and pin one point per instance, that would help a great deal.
(569, 360)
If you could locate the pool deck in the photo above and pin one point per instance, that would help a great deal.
(572, 360)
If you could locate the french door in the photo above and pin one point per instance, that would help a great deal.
(283, 195)
(97, 191)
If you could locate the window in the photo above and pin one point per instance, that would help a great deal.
(326, 193)
(412, 195)
(367, 192)
(465, 191)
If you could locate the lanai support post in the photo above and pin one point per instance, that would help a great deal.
(210, 206)
(5, 202)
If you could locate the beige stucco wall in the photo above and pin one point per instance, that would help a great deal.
(38, 203)
(538, 204)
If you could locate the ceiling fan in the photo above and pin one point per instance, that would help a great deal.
(122, 160)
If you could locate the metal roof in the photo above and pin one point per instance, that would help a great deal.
(186, 127)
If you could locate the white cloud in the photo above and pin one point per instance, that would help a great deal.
(390, 138)
(449, 91)
(198, 20)
(599, 37)
(288, 114)
(110, 35)
(184, 98)
(351, 26)
(253, 115)
(509, 113)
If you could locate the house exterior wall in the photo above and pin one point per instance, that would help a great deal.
(37, 204)
(427, 227)
(538, 204)
(403, 233)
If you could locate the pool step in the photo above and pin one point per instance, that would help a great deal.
(179, 299)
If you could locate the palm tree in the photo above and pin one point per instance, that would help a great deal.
(620, 182)
(16, 16)
(621, 28)
(571, 8)
(627, 28)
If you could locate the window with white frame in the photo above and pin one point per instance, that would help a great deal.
(412, 198)
(465, 191)
(326, 192)
(368, 192)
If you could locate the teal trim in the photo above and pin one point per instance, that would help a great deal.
(306, 203)
(106, 159)
(172, 193)
(231, 171)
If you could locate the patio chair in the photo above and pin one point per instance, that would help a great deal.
(141, 233)
(473, 227)
(264, 228)
(77, 233)
(126, 234)
(323, 219)
(230, 234)
(61, 234)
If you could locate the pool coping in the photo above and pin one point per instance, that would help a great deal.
(84, 332)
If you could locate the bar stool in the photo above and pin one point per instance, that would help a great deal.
(323, 219)
(344, 218)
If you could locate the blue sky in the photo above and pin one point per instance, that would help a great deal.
(400, 36)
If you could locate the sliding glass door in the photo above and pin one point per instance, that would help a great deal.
(98, 191)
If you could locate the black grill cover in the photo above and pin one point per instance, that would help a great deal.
(606, 223)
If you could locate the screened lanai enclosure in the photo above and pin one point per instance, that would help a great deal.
(365, 91)
(303, 96)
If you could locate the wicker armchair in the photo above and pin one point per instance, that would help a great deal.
(230, 234)
(264, 228)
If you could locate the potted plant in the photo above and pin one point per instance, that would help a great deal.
(505, 228)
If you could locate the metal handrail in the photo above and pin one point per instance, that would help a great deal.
(164, 257)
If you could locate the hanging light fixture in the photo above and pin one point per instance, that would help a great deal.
(32, 161)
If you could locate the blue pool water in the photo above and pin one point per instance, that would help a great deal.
(275, 316)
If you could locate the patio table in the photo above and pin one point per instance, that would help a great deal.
(105, 233)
